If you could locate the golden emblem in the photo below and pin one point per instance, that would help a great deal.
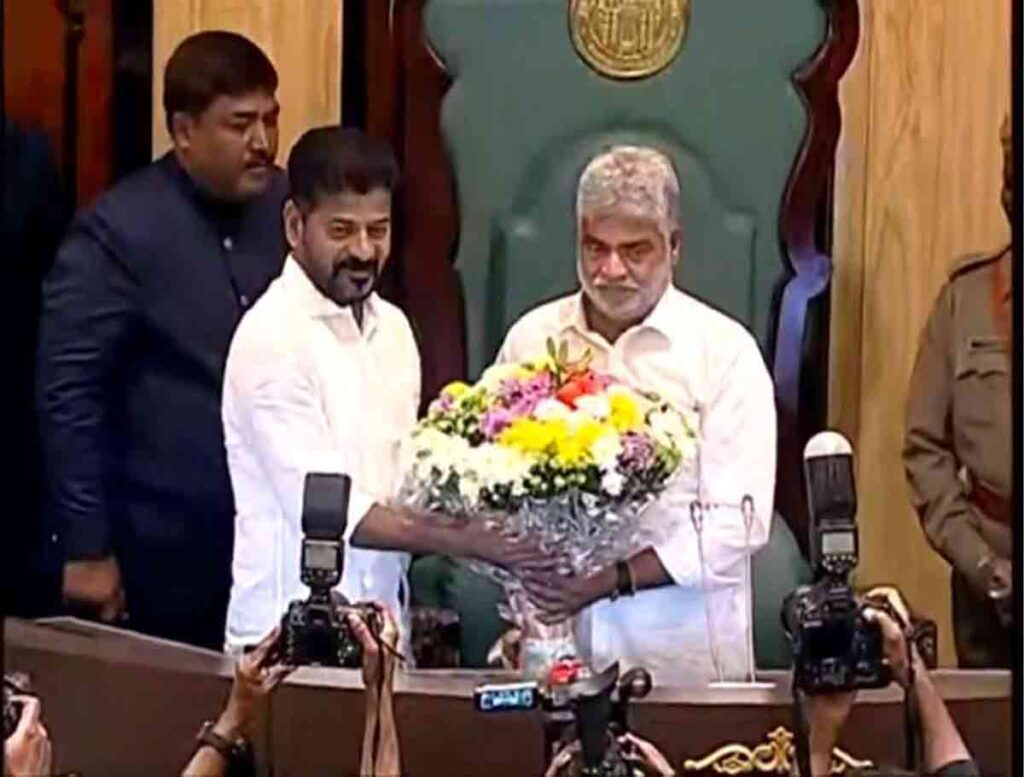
(628, 38)
(775, 756)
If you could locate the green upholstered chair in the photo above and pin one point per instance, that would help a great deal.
(493, 114)
(777, 569)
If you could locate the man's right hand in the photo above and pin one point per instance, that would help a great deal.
(511, 554)
(97, 586)
(28, 750)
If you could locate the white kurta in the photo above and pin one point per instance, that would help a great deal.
(698, 359)
(305, 390)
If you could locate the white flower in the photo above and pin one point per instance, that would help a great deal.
(495, 374)
(469, 488)
(498, 465)
(606, 451)
(549, 409)
(594, 405)
(612, 482)
(668, 427)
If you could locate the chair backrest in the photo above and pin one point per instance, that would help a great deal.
(777, 569)
(494, 113)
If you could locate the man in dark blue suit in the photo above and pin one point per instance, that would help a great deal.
(138, 312)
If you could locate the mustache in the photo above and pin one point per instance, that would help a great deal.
(350, 263)
(259, 159)
(614, 287)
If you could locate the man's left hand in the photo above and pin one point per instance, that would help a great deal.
(559, 596)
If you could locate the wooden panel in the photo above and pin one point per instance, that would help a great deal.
(301, 37)
(34, 72)
(102, 687)
(917, 186)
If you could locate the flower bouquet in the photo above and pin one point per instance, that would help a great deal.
(556, 451)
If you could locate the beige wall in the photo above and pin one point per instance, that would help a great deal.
(301, 37)
(917, 186)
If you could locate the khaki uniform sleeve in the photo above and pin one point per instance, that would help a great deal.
(931, 466)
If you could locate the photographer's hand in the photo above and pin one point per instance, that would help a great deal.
(28, 750)
(379, 651)
(900, 656)
(826, 716)
(943, 744)
(563, 759)
(379, 657)
(257, 674)
(643, 753)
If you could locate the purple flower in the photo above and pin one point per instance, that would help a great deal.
(495, 421)
(637, 453)
(442, 404)
(520, 397)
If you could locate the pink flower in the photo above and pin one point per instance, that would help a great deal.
(495, 421)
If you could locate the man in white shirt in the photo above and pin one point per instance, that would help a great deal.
(648, 333)
(324, 376)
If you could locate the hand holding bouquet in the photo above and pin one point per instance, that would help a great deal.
(552, 451)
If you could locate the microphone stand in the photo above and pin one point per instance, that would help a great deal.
(750, 672)
(697, 518)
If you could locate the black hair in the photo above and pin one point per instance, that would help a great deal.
(212, 64)
(334, 159)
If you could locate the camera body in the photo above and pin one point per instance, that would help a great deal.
(589, 708)
(835, 648)
(316, 631)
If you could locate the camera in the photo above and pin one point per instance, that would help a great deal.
(316, 631)
(835, 648)
(577, 706)
(15, 684)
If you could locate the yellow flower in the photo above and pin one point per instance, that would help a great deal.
(625, 413)
(576, 447)
(531, 436)
(455, 389)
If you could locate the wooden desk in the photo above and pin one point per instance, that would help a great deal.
(116, 703)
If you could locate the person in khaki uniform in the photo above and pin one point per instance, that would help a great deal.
(957, 451)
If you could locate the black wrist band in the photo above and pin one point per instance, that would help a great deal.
(624, 584)
(232, 751)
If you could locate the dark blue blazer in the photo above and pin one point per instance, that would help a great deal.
(138, 313)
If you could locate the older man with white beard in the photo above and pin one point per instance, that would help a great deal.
(654, 609)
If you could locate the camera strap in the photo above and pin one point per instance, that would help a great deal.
(911, 723)
(801, 733)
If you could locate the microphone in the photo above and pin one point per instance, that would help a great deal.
(747, 511)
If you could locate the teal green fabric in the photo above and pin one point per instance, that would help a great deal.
(524, 113)
(439, 581)
(777, 569)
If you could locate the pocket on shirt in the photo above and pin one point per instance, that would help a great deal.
(981, 389)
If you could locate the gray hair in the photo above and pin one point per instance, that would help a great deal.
(636, 175)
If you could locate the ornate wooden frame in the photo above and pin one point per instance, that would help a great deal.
(405, 86)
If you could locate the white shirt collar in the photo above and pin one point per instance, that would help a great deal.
(571, 316)
(310, 300)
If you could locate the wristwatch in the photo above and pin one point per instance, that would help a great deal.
(624, 583)
(233, 751)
